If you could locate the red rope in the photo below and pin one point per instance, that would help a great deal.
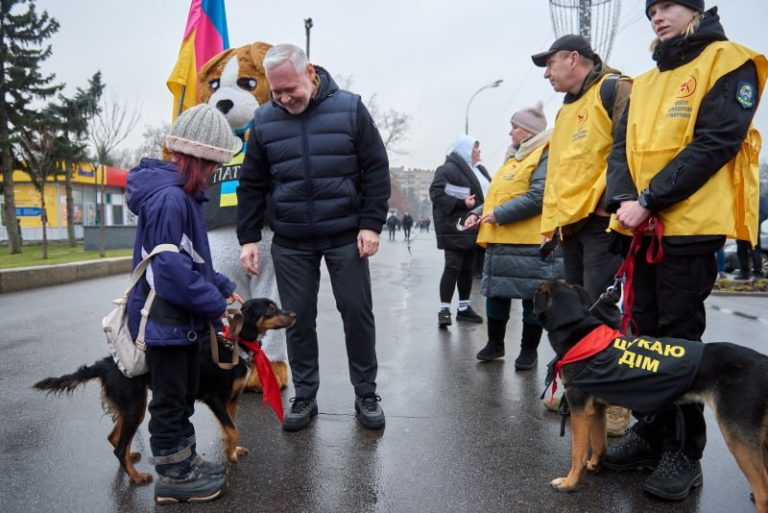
(269, 386)
(653, 255)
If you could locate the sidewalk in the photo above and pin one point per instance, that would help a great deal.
(24, 278)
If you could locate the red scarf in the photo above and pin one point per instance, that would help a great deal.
(270, 388)
(594, 342)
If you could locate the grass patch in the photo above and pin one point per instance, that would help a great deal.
(742, 286)
(58, 253)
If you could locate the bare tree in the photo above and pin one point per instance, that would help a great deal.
(393, 125)
(107, 129)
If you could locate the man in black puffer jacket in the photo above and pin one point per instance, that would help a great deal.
(316, 151)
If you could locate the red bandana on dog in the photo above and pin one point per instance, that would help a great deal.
(270, 388)
(595, 341)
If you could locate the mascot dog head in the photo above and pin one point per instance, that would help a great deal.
(235, 83)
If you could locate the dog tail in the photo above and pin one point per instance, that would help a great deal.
(69, 382)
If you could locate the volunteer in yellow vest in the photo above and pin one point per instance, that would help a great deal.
(509, 230)
(581, 141)
(574, 200)
(684, 152)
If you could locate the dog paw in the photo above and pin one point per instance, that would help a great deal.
(593, 466)
(141, 478)
(241, 451)
(134, 456)
(559, 484)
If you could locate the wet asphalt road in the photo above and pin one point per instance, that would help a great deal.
(461, 436)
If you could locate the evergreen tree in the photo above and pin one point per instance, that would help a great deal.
(74, 115)
(22, 32)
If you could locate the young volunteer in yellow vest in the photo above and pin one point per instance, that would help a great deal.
(686, 153)
(573, 206)
(509, 230)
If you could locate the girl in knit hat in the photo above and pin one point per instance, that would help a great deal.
(685, 153)
(166, 195)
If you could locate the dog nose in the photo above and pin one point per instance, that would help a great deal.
(224, 105)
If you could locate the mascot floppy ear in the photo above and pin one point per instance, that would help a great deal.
(557, 304)
(234, 82)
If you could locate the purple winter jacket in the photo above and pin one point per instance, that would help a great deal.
(189, 293)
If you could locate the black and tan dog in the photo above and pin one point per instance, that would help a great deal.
(125, 399)
(731, 379)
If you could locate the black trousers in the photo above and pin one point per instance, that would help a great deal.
(746, 252)
(175, 375)
(669, 302)
(590, 262)
(297, 273)
(457, 273)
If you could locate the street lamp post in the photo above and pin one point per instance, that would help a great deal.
(496, 83)
(308, 26)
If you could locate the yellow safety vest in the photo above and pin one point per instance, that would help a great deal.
(663, 110)
(512, 180)
(578, 156)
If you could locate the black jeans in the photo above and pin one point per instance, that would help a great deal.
(590, 262)
(175, 374)
(457, 273)
(669, 302)
(297, 272)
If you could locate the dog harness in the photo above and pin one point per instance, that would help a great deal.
(643, 374)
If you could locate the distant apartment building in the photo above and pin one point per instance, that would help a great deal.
(411, 190)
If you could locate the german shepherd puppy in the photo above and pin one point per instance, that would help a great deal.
(125, 399)
(731, 379)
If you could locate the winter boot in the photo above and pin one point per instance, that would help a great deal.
(495, 346)
(526, 360)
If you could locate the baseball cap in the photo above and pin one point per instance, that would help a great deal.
(569, 42)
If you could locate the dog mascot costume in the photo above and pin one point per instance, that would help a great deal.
(235, 83)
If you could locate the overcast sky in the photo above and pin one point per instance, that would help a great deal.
(421, 57)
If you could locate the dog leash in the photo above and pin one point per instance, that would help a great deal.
(626, 272)
(270, 387)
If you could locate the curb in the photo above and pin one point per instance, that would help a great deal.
(25, 278)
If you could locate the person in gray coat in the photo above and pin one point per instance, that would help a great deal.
(509, 228)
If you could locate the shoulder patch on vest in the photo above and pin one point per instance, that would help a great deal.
(745, 95)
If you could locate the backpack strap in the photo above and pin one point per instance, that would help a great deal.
(136, 275)
(608, 93)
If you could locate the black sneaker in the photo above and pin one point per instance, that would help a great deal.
(742, 276)
(369, 411)
(301, 413)
(209, 468)
(675, 477)
(632, 452)
(468, 315)
(197, 488)
(444, 318)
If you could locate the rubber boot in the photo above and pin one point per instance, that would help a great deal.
(526, 360)
(495, 346)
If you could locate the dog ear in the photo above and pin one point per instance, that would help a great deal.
(564, 305)
(253, 310)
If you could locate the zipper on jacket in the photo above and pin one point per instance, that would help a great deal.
(307, 171)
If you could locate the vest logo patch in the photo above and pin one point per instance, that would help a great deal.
(687, 88)
(745, 95)
(680, 109)
(582, 117)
